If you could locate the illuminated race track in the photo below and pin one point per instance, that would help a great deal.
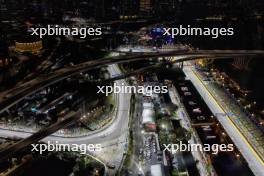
(253, 158)
(117, 128)
(120, 125)
(11, 97)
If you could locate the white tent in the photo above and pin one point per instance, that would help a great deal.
(148, 116)
(148, 105)
(156, 170)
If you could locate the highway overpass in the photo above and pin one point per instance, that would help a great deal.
(112, 133)
(11, 97)
(64, 73)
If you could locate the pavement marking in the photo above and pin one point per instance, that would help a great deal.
(231, 122)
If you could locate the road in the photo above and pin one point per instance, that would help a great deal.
(113, 135)
(119, 126)
(8, 151)
(12, 96)
(255, 162)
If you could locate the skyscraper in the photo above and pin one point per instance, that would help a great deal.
(146, 7)
(129, 7)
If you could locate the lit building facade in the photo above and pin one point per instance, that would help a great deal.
(146, 7)
(33, 47)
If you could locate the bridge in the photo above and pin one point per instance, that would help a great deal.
(11, 97)
(12, 149)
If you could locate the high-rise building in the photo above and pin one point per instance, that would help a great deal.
(146, 7)
(166, 7)
(3, 42)
(105, 9)
(129, 7)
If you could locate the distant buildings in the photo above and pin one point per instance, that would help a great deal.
(4, 62)
(129, 8)
(4, 57)
(113, 9)
(146, 7)
(33, 47)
